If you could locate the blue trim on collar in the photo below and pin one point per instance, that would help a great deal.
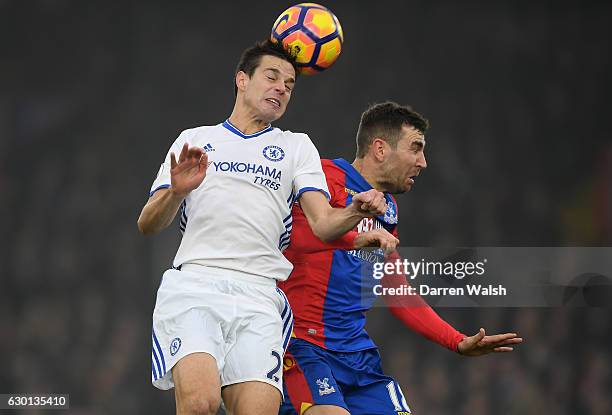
(227, 124)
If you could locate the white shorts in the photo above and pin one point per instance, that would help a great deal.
(243, 321)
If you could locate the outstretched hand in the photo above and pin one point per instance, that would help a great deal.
(481, 344)
(370, 203)
(189, 172)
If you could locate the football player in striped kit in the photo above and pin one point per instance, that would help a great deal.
(332, 366)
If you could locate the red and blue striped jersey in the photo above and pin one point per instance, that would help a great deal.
(330, 290)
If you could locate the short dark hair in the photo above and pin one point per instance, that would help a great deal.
(251, 57)
(385, 120)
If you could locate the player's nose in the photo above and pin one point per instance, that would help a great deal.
(422, 162)
(280, 88)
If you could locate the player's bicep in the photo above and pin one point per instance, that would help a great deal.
(308, 173)
(157, 193)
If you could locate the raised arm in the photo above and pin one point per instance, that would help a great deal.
(329, 223)
(303, 240)
(186, 175)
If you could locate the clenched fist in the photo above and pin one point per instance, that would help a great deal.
(370, 203)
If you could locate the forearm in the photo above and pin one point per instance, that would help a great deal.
(159, 212)
(425, 321)
(335, 223)
(417, 315)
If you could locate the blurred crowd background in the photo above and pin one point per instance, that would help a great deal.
(519, 151)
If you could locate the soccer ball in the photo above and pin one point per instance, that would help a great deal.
(311, 32)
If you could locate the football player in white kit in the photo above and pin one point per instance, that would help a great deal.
(220, 325)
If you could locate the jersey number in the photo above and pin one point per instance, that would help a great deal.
(272, 374)
(366, 225)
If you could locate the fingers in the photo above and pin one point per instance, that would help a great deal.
(481, 344)
(389, 249)
(497, 338)
(479, 336)
(469, 345)
(501, 342)
(516, 340)
(363, 197)
(388, 244)
(383, 239)
(378, 204)
(512, 340)
(203, 162)
(372, 202)
(377, 238)
(183, 154)
(193, 154)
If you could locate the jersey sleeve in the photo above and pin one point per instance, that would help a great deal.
(417, 315)
(309, 173)
(162, 181)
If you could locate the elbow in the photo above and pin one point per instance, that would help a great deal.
(322, 235)
(141, 227)
(144, 228)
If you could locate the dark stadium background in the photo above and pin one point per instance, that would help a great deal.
(93, 93)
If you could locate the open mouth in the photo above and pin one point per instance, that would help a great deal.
(274, 102)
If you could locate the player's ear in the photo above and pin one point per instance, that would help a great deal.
(242, 79)
(379, 149)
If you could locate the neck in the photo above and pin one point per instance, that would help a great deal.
(246, 121)
(367, 168)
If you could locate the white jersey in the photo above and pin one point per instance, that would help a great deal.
(239, 218)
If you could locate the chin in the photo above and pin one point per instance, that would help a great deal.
(277, 116)
(270, 117)
(279, 113)
(404, 189)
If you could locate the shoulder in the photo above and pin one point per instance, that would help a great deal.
(193, 135)
(293, 137)
(190, 132)
(298, 144)
(289, 133)
(329, 167)
(334, 175)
